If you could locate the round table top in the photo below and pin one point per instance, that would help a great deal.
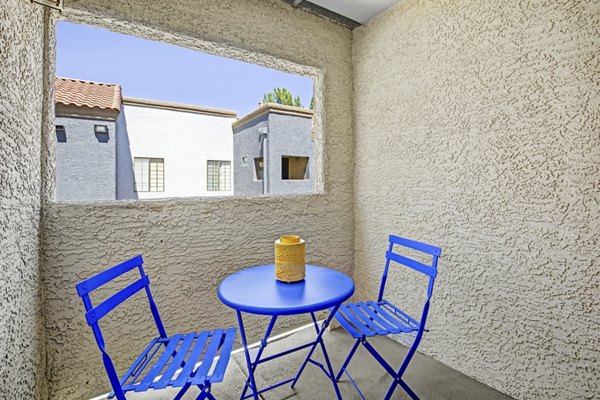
(255, 290)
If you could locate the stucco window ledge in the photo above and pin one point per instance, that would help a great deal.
(175, 201)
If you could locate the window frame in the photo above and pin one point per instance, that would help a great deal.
(228, 180)
(306, 169)
(236, 51)
(149, 188)
(257, 168)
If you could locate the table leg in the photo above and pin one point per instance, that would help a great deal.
(250, 382)
(315, 323)
(319, 340)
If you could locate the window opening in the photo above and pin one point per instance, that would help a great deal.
(219, 175)
(294, 168)
(149, 174)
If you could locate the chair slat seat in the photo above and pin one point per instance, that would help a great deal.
(175, 365)
(372, 319)
(178, 361)
(201, 374)
(219, 371)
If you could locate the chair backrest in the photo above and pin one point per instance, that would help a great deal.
(95, 313)
(429, 270)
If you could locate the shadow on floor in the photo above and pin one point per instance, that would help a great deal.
(428, 378)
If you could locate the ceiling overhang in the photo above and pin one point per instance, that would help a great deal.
(349, 13)
(324, 12)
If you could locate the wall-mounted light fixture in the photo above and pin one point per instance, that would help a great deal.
(101, 129)
(263, 132)
(55, 4)
(101, 132)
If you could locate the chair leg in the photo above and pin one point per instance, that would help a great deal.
(398, 375)
(408, 390)
(380, 359)
(345, 364)
(205, 393)
(182, 391)
(398, 381)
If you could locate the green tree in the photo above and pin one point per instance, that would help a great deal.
(312, 103)
(282, 96)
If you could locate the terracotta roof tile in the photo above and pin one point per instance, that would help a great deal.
(88, 94)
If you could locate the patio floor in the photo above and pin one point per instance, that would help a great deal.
(427, 377)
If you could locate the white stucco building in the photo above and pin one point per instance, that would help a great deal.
(173, 150)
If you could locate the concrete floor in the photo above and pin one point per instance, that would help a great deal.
(427, 377)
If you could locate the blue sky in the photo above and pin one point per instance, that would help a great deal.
(160, 71)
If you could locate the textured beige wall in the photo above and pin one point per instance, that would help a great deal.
(21, 117)
(477, 129)
(190, 245)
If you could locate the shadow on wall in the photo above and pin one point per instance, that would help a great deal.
(125, 174)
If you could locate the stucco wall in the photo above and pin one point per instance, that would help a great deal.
(21, 117)
(86, 162)
(477, 130)
(190, 245)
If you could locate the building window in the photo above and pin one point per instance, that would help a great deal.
(244, 161)
(219, 176)
(259, 168)
(149, 174)
(294, 167)
(61, 134)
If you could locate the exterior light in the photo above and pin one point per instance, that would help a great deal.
(61, 134)
(55, 4)
(101, 129)
(263, 133)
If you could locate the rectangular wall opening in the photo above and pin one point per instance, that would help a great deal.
(259, 168)
(205, 123)
(294, 168)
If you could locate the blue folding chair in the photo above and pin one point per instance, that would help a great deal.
(381, 318)
(177, 364)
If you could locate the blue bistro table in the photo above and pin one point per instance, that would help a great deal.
(255, 290)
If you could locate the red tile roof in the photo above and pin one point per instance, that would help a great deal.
(80, 93)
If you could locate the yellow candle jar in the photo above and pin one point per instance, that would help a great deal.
(290, 263)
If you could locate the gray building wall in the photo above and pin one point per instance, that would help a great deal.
(86, 162)
(246, 143)
(288, 135)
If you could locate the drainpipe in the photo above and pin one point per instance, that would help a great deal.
(264, 140)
